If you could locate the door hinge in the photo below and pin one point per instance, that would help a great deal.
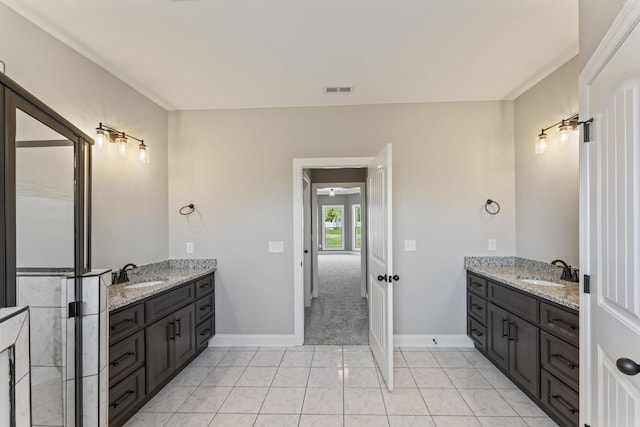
(587, 284)
(75, 309)
(587, 425)
(587, 125)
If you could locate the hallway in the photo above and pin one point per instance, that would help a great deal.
(339, 315)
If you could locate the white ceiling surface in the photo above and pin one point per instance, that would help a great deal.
(214, 54)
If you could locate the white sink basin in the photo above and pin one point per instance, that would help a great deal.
(144, 284)
(542, 283)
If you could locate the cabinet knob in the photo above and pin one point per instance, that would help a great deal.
(627, 366)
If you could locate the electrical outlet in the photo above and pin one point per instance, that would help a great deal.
(276, 247)
(410, 246)
(189, 247)
(491, 245)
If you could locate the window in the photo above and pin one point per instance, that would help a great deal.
(356, 226)
(332, 227)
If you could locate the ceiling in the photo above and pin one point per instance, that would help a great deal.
(214, 54)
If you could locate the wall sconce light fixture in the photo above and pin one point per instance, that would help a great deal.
(332, 193)
(106, 133)
(564, 127)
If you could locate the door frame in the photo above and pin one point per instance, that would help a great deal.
(625, 22)
(298, 231)
(315, 234)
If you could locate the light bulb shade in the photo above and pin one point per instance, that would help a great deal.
(332, 193)
(101, 136)
(564, 131)
(541, 143)
(122, 144)
(143, 153)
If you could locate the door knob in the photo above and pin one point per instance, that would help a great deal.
(627, 366)
(382, 278)
(306, 251)
(396, 277)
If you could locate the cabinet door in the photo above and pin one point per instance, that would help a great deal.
(498, 335)
(524, 353)
(160, 346)
(185, 327)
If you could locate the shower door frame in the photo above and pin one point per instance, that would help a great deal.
(13, 97)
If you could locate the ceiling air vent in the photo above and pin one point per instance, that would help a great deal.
(339, 89)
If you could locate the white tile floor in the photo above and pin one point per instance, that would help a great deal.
(330, 386)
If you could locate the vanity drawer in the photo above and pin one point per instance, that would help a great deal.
(125, 322)
(204, 308)
(477, 284)
(560, 399)
(477, 332)
(169, 302)
(126, 356)
(204, 331)
(125, 396)
(204, 286)
(477, 307)
(517, 303)
(560, 359)
(563, 323)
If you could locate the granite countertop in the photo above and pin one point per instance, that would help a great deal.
(172, 273)
(508, 271)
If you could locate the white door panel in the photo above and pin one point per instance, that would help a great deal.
(380, 263)
(611, 240)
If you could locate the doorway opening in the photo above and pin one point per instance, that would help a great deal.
(336, 310)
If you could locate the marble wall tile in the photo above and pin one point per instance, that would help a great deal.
(90, 344)
(103, 398)
(22, 352)
(91, 295)
(23, 402)
(47, 340)
(46, 393)
(90, 391)
(41, 291)
(5, 390)
(70, 404)
(10, 329)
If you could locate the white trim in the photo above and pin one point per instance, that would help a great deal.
(428, 341)
(626, 21)
(354, 226)
(622, 26)
(253, 340)
(298, 233)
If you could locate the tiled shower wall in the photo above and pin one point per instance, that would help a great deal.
(14, 356)
(53, 346)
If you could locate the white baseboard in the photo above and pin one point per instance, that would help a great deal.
(432, 341)
(253, 340)
(285, 340)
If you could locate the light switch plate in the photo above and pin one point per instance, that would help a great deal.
(410, 245)
(189, 248)
(276, 247)
(491, 245)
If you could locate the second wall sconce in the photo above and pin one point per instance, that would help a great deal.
(106, 133)
(564, 127)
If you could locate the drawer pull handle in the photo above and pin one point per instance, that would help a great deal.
(476, 332)
(477, 285)
(477, 307)
(561, 358)
(561, 323)
(505, 328)
(205, 285)
(171, 331)
(205, 307)
(122, 398)
(564, 403)
(119, 360)
(179, 328)
(205, 332)
(514, 328)
(122, 323)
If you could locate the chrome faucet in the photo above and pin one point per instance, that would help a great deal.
(569, 274)
(122, 276)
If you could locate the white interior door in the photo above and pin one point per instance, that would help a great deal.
(611, 241)
(380, 257)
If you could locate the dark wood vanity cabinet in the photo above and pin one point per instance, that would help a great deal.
(533, 341)
(152, 340)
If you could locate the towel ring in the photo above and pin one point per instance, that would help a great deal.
(493, 211)
(183, 209)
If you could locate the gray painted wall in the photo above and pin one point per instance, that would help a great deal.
(547, 185)
(236, 166)
(595, 17)
(129, 198)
